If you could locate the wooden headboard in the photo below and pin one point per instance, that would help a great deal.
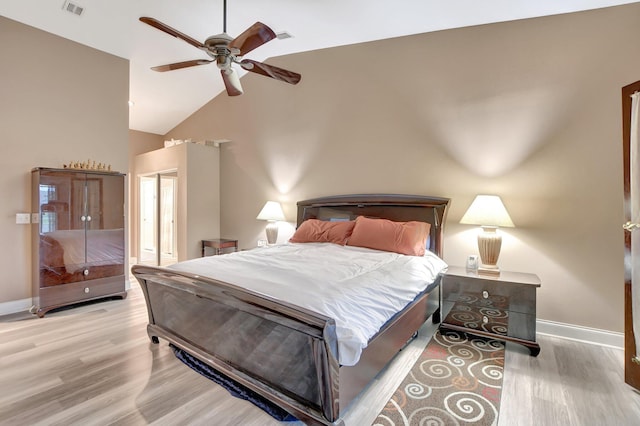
(400, 208)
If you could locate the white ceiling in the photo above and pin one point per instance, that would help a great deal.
(163, 100)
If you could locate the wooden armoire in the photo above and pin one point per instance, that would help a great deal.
(78, 239)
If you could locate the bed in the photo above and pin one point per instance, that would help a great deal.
(288, 353)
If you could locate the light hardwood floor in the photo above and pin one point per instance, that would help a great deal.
(94, 365)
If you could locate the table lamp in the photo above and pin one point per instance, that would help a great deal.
(489, 212)
(271, 212)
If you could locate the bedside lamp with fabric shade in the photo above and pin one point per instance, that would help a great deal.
(489, 212)
(271, 212)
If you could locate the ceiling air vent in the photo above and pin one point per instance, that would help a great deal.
(74, 8)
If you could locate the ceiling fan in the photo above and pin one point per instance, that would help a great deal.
(226, 51)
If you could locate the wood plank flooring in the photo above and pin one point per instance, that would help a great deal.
(94, 365)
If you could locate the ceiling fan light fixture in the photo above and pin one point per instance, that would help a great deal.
(223, 62)
(231, 82)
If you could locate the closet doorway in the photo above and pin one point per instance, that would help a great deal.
(157, 222)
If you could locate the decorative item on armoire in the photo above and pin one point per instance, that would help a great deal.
(88, 165)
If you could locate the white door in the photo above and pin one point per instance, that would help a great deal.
(168, 222)
(148, 254)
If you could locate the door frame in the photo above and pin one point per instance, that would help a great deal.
(631, 369)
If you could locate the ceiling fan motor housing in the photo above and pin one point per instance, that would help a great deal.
(218, 40)
(218, 48)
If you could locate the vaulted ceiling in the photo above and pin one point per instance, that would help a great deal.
(163, 100)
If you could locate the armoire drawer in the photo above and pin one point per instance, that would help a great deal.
(65, 294)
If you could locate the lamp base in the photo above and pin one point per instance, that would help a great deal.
(272, 233)
(489, 243)
(489, 270)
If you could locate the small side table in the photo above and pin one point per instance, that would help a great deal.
(219, 244)
(500, 307)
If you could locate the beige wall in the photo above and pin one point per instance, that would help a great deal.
(529, 110)
(141, 142)
(59, 102)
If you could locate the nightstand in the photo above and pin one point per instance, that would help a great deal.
(501, 307)
(219, 244)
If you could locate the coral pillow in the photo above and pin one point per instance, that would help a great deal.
(382, 234)
(320, 231)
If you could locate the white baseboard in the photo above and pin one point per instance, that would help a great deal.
(581, 334)
(14, 306)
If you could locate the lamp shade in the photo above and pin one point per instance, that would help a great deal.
(487, 210)
(271, 211)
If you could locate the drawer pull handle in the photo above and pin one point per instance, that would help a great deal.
(485, 294)
(485, 319)
(86, 289)
(85, 272)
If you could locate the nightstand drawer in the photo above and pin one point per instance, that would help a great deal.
(491, 320)
(513, 297)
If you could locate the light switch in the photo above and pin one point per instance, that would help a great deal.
(22, 218)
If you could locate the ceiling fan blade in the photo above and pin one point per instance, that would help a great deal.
(231, 82)
(255, 36)
(271, 71)
(167, 29)
(179, 65)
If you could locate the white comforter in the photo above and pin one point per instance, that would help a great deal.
(359, 288)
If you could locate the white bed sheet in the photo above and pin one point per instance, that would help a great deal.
(361, 289)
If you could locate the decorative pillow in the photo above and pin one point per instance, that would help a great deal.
(319, 231)
(381, 234)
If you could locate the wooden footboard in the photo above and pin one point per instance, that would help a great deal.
(285, 353)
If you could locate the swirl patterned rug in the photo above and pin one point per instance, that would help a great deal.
(456, 381)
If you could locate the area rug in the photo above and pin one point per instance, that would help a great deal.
(456, 381)
(234, 388)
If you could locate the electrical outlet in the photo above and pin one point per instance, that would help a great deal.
(262, 243)
(22, 218)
